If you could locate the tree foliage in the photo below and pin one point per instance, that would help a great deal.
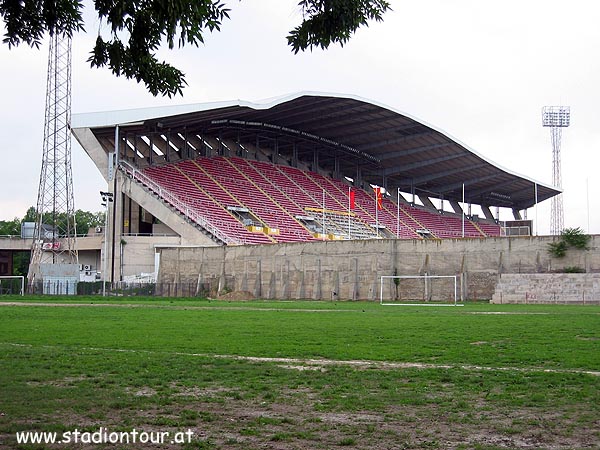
(10, 227)
(333, 21)
(569, 237)
(138, 27)
(575, 237)
(84, 220)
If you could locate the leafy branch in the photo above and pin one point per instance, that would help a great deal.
(139, 27)
(569, 237)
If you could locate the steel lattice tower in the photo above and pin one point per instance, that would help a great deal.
(557, 118)
(55, 231)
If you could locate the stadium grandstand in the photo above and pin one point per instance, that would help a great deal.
(304, 167)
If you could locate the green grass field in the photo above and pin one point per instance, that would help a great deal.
(302, 374)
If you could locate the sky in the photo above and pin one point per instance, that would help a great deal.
(481, 71)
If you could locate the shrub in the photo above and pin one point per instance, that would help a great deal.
(569, 237)
(575, 237)
(558, 249)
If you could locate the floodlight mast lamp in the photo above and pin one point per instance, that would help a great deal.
(55, 231)
(556, 118)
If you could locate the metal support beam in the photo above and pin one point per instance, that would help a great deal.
(411, 151)
(446, 173)
(421, 164)
(468, 182)
(395, 141)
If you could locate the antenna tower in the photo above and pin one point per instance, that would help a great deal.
(557, 118)
(55, 231)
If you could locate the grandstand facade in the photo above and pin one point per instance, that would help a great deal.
(299, 168)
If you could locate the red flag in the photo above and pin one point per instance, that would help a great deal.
(351, 199)
(378, 198)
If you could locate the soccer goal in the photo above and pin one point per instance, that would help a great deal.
(425, 290)
(12, 285)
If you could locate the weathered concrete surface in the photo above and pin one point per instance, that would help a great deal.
(560, 288)
(351, 269)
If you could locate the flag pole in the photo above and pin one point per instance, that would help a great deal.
(377, 210)
(398, 214)
(536, 207)
(463, 210)
(349, 208)
(324, 229)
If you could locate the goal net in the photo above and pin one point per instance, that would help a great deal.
(12, 285)
(433, 290)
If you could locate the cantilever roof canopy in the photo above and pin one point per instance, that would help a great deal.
(345, 135)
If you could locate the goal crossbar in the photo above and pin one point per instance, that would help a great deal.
(426, 279)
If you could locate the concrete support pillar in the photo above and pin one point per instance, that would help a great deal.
(244, 281)
(375, 272)
(517, 214)
(286, 280)
(258, 280)
(426, 201)
(134, 218)
(456, 207)
(400, 198)
(318, 287)
(356, 290)
(115, 229)
(336, 285)
(487, 213)
(301, 285)
(272, 286)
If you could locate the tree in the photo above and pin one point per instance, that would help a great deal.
(10, 227)
(137, 28)
(84, 220)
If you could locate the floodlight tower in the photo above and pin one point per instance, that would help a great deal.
(54, 236)
(557, 118)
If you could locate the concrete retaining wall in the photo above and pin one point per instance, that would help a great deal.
(563, 288)
(351, 269)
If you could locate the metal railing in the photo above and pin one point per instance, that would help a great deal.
(176, 203)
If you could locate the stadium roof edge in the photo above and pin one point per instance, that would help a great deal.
(137, 116)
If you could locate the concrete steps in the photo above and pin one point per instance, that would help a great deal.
(562, 288)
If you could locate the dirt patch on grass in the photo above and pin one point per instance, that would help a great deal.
(141, 392)
(508, 313)
(357, 364)
(295, 420)
(302, 368)
(63, 382)
(237, 296)
(587, 338)
(199, 392)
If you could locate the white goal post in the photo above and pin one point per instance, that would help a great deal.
(19, 281)
(423, 290)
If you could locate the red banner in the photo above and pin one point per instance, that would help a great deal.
(352, 199)
(378, 198)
